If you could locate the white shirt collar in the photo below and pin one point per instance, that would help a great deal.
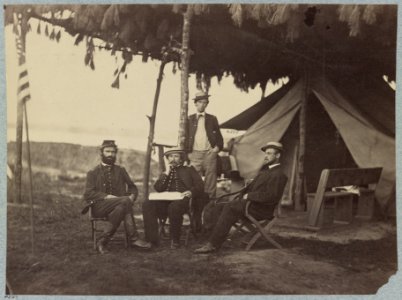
(201, 114)
(274, 165)
(105, 165)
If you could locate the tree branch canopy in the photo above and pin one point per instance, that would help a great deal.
(252, 42)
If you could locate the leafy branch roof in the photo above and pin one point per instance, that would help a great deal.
(252, 42)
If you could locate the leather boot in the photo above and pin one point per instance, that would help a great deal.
(105, 238)
(130, 227)
(101, 245)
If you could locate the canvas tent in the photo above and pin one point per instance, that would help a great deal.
(348, 127)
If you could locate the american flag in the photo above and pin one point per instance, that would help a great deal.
(23, 81)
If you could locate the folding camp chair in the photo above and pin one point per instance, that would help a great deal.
(94, 230)
(258, 228)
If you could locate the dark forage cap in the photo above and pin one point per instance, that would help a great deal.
(108, 143)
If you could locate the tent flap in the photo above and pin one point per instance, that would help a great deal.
(368, 146)
(270, 127)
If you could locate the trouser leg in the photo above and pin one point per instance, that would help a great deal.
(150, 221)
(232, 212)
(198, 204)
(130, 226)
(196, 158)
(115, 210)
(175, 212)
(151, 211)
(209, 165)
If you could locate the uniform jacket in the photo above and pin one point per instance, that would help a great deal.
(211, 127)
(95, 188)
(266, 190)
(190, 178)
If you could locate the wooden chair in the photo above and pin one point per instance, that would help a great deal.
(258, 228)
(189, 228)
(94, 230)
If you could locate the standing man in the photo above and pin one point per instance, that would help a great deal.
(110, 193)
(204, 141)
(264, 193)
(177, 178)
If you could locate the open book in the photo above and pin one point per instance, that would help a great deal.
(167, 196)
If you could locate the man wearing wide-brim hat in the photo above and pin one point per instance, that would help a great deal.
(204, 141)
(176, 178)
(263, 193)
(110, 193)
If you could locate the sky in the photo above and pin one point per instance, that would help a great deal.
(72, 103)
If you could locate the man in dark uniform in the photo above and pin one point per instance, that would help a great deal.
(204, 142)
(177, 178)
(264, 193)
(110, 192)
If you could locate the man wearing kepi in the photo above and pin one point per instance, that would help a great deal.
(264, 193)
(111, 193)
(204, 142)
(177, 178)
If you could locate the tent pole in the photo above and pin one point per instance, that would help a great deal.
(300, 190)
(152, 120)
(185, 61)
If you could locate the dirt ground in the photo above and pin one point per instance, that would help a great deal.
(64, 262)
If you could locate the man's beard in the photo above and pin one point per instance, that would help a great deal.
(267, 162)
(108, 160)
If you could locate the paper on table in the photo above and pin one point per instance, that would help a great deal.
(167, 196)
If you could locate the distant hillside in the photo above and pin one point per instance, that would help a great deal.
(76, 160)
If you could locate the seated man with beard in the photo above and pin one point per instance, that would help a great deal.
(110, 193)
(177, 178)
(263, 193)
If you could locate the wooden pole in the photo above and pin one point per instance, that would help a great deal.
(263, 89)
(300, 190)
(185, 62)
(152, 120)
(20, 25)
(30, 180)
(162, 166)
(18, 154)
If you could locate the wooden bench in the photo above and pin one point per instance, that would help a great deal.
(343, 201)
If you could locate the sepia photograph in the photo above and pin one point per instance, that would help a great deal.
(200, 149)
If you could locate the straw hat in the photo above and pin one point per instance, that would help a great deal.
(174, 150)
(201, 95)
(273, 145)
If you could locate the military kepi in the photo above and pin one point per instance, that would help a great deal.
(273, 145)
(108, 143)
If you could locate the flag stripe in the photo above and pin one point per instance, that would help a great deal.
(23, 87)
(23, 92)
(23, 74)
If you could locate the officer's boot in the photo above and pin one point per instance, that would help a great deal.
(104, 239)
(132, 233)
(130, 227)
